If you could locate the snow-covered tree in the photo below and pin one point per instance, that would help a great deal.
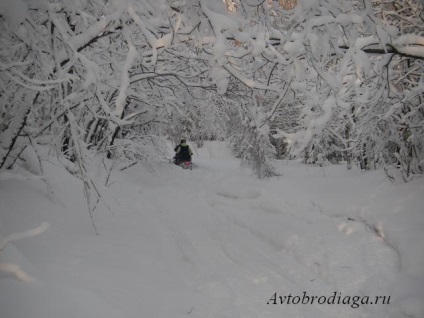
(337, 79)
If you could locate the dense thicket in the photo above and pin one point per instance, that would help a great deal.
(322, 80)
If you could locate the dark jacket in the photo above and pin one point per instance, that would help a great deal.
(183, 152)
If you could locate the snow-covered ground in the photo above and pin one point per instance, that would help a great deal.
(212, 242)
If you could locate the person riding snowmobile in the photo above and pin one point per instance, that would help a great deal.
(183, 153)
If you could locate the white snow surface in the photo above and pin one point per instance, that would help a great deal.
(211, 242)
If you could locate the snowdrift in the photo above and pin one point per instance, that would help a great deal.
(212, 242)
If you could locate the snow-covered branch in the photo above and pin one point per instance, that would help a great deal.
(23, 235)
(13, 268)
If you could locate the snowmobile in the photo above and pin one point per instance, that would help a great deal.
(183, 164)
(183, 155)
(186, 165)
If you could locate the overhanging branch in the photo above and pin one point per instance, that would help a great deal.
(390, 49)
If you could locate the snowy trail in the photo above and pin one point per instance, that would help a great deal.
(209, 243)
(237, 241)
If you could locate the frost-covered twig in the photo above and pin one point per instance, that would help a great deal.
(13, 268)
(17, 271)
(17, 124)
(18, 236)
